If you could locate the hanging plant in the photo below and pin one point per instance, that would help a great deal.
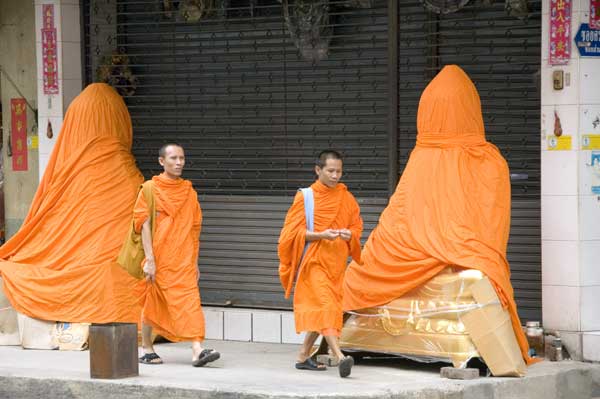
(444, 6)
(115, 71)
(307, 22)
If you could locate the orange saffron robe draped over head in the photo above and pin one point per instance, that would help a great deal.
(61, 264)
(320, 272)
(171, 305)
(451, 207)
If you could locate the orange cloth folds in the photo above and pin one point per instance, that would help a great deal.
(318, 291)
(172, 303)
(60, 264)
(451, 206)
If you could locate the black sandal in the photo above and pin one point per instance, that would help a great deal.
(310, 364)
(206, 356)
(345, 366)
(150, 358)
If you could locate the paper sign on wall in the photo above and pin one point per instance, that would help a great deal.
(18, 133)
(562, 143)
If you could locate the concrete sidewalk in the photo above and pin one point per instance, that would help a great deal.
(253, 371)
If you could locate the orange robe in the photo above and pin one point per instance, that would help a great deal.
(318, 292)
(451, 207)
(61, 264)
(171, 305)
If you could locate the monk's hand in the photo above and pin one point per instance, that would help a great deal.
(345, 234)
(150, 270)
(330, 234)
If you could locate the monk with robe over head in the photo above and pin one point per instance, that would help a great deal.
(314, 255)
(171, 298)
(451, 207)
(61, 264)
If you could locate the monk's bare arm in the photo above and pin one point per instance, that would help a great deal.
(150, 266)
(329, 234)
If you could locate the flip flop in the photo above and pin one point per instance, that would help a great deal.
(310, 364)
(206, 356)
(345, 366)
(150, 358)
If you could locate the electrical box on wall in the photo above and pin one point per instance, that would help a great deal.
(558, 79)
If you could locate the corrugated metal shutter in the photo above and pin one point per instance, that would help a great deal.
(251, 114)
(502, 56)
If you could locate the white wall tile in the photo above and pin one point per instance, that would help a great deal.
(589, 172)
(214, 323)
(560, 263)
(238, 326)
(591, 346)
(71, 61)
(559, 218)
(590, 80)
(45, 144)
(266, 327)
(589, 120)
(589, 217)
(569, 94)
(56, 105)
(590, 309)
(560, 307)
(589, 265)
(288, 330)
(582, 5)
(70, 21)
(559, 172)
(569, 121)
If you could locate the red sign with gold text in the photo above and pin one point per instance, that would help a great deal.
(18, 138)
(49, 50)
(560, 31)
(595, 14)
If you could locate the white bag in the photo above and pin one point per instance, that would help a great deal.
(37, 334)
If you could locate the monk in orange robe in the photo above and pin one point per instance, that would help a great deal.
(315, 257)
(171, 299)
(451, 207)
(61, 264)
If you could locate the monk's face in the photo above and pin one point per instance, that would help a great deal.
(173, 161)
(330, 174)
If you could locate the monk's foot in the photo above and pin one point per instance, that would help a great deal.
(310, 364)
(205, 357)
(150, 358)
(345, 366)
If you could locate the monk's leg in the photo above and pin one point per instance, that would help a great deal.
(307, 345)
(147, 343)
(201, 356)
(334, 345)
(345, 362)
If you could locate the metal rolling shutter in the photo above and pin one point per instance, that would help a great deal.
(502, 56)
(251, 114)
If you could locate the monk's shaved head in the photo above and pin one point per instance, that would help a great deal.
(325, 155)
(163, 150)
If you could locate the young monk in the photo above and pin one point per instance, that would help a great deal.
(172, 299)
(321, 229)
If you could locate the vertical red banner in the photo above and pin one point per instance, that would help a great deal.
(18, 138)
(560, 31)
(49, 50)
(595, 14)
